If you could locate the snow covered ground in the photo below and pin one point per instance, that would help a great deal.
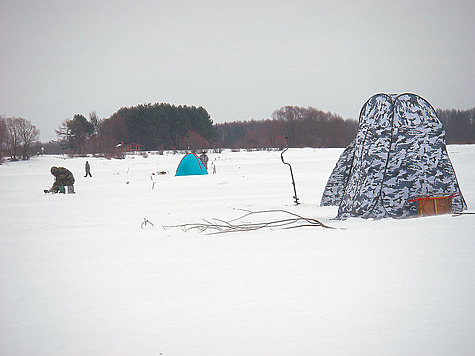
(79, 276)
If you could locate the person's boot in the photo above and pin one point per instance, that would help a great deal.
(71, 189)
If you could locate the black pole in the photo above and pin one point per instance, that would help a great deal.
(291, 173)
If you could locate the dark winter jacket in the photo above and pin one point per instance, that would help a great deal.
(63, 177)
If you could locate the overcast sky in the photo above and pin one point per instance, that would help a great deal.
(240, 60)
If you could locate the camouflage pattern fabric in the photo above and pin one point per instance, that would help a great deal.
(339, 178)
(399, 154)
(372, 144)
(419, 164)
(63, 177)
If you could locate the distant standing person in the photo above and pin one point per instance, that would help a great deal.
(204, 159)
(88, 169)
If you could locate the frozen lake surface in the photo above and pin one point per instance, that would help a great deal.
(80, 275)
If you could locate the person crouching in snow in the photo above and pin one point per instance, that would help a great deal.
(63, 178)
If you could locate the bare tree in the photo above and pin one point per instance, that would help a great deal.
(291, 114)
(28, 134)
(3, 137)
(13, 137)
(95, 121)
(17, 134)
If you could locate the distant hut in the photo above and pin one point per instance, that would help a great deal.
(129, 147)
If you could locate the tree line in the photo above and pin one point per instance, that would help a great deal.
(153, 126)
(459, 125)
(310, 127)
(165, 126)
(292, 125)
(160, 126)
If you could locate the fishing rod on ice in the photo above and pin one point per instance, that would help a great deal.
(291, 173)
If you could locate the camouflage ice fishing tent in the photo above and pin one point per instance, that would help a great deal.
(398, 156)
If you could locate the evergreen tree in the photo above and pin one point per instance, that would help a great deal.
(158, 126)
(75, 132)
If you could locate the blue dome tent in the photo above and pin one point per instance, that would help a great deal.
(190, 165)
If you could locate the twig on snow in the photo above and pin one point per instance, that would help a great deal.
(462, 213)
(219, 226)
(145, 222)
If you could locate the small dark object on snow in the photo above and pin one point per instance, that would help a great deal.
(145, 222)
